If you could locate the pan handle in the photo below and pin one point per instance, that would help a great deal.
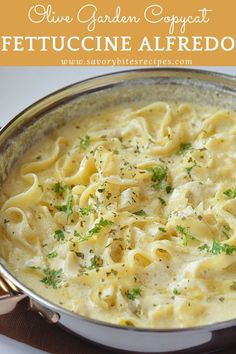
(10, 295)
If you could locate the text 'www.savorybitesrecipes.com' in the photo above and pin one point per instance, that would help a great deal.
(126, 62)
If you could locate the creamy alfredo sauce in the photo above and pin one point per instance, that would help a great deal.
(129, 216)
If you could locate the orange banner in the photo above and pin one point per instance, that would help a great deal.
(118, 33)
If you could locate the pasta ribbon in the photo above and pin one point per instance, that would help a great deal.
(129, 216)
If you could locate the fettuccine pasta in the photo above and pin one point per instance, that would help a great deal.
(129, 216)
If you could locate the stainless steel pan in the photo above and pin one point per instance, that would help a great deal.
(84, 98)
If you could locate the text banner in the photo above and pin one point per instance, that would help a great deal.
(118, 33)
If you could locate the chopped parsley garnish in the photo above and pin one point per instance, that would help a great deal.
(159, 176)
(109, 195)
(101, 190)
(159, 173)
(41, 187)
(163, 202)
(6, 221)
(99, 225)
(183, 148)
(176, 292)
(61, 208)
(84, 142)
(140, 213)
(52, 254)
(168, 189)
(34, 267)
(162, 186)
(59, 188)
(161, 229)
(226, 230)
(67, 208)
(113, 271)
(189, 169)
(86, 211)
(133, 294)
(218, 248)
(185, 234)
(96, 229)
(96, 262)
(80, 254)
(52, 277)
(59, 235)
(129, 323)
(231, 193)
